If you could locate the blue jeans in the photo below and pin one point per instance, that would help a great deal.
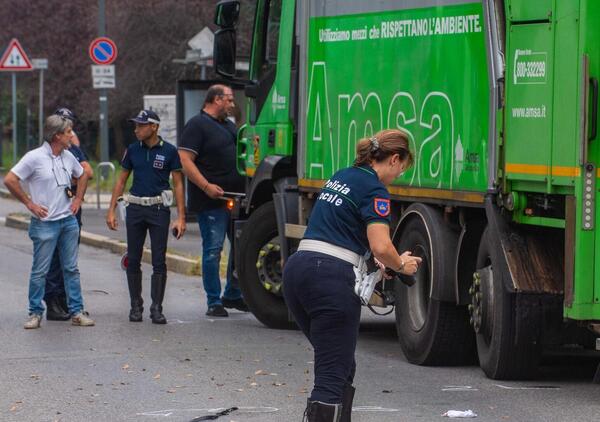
(55, 284)
(214, 224)
(47, 236)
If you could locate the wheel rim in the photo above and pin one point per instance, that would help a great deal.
(268, 266)
(482, 302)
(418, 295)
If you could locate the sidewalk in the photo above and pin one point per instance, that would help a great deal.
(183, 255)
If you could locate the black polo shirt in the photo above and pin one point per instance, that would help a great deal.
(151, 167)
(213, 143)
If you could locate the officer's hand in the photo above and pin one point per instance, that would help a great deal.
(38, 210)
(411, 263)
(75, 205)
(178, 228)
(111, 220)
(214, 191)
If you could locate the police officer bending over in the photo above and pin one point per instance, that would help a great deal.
(152, 160)
(350, 218)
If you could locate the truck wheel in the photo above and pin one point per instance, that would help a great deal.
(260, 272)
(430, 331)
(505, 352)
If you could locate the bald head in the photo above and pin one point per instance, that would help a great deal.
(219, 101)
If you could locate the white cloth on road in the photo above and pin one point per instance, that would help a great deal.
(460, 414)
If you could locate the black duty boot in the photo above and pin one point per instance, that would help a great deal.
(317, 411)
(347, 400)
(62, 302)
(134, 281)
(159, 283)
(55, 311)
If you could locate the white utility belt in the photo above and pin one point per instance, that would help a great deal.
(333, 250)
(165, 198)
(364, 282)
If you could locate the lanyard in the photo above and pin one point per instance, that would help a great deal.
(58, 184)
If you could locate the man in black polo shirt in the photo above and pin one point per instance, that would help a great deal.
(208, 155)
(152, 160)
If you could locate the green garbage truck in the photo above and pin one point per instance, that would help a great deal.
(500, 102)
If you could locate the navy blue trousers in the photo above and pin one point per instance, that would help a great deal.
(55, 283)
(319, 292)
(154, 219)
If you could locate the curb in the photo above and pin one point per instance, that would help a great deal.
(176, 263)
(4, 193)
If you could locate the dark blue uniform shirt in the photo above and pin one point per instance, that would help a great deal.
(351, 199)
(78, 153)
(151, 167)
(81, 157)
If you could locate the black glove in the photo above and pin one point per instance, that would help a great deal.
(408, 280)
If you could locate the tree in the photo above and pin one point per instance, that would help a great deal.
(149, 35)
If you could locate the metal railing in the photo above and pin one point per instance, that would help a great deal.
(103, 175)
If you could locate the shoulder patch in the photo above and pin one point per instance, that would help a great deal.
(382, 206)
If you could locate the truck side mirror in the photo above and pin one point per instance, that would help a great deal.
(224, 52)
(227, 14)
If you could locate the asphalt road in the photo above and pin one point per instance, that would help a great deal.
(122, 371)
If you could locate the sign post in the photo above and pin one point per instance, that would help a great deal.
(41, 64)
(14, 60)
(103, 52)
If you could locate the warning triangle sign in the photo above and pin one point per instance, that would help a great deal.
(14, 58)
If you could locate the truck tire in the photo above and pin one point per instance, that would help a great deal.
(430, 331)
(260, 272)
(505, 352)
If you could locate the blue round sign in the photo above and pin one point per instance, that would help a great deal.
(103, 50)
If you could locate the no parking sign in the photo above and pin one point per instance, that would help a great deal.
(103, 50)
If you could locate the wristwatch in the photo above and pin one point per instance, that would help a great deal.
(401, 266)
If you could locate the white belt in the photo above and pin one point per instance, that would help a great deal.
(143, 200)
(333, 250)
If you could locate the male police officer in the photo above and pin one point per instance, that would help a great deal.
(152, 160)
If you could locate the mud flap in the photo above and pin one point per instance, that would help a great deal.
(286, 210)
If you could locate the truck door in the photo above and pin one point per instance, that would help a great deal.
(269, 130)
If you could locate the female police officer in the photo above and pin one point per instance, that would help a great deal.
(351, 216)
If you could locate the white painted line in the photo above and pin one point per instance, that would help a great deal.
(373, 409)
(459, 388)
(533, 387)
(179, 412)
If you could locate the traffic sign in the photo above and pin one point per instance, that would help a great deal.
(41, 64)
(14, 58)
(103, 76)
(103, 50)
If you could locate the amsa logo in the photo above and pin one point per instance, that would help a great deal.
(278, 102)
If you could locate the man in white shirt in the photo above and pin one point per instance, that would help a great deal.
(47, 173)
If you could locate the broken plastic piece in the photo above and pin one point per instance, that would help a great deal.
(215, 416)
